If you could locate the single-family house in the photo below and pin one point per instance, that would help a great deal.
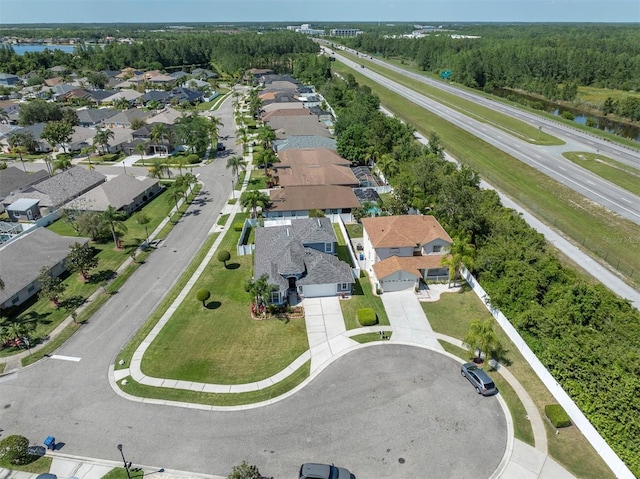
(161, 79)
(123, 119)
(8, 79)
(161, 96)
(400, 251)
(11, 108)
(286, 112)
(24, 209)
(13, 179)
(292, 105)
(186, 95)
(298, 201)
(59, 189)
(90, 117)
(204, 74)
(130, 95)
(168, 116)
(22, 260)
(42, 146)
(286, 126)
(304, 141)
(306, 167)
(123, 192)
(299, 259)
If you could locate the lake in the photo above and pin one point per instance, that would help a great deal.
(24, 48)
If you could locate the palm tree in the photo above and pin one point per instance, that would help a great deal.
(114, 219)
(159, 134)
(462, 252)
(47, 161)
(237, 164)
(481, 337)
(214, 124)
(254, 198)
(62, 164)
(175, 193)
(20, 150)
(87, 150)
(388, 166)
(121, 104)
(102, 138)
(265, 136)
(141, 148)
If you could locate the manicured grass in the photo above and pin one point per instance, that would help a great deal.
(505, 123)
(342, 249)
(362, 297)
(370, 337)
(214, 399)
(221, 343)
(223, 220)
(451, 315)
(582, 220)
(39, 466)
(121, 473)
(624, 176)
(257, 181)
(127, 352)
(354, 230)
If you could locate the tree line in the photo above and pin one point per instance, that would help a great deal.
(226, 53)
(586, 336)
(552, 60)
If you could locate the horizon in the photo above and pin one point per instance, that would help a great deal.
(69, 12)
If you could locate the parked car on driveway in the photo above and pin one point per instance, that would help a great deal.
(311, 470)
(479, 379)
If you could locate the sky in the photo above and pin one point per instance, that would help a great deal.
(312, 11)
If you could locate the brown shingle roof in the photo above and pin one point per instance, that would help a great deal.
(286, 126)
(318, 166)
(403, 231)
(303, 198)
(409, 264)
(286, 112)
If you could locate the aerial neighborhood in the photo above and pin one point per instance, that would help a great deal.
(274, 243)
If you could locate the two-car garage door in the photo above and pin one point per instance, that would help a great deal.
(319, 290)
(398, 281)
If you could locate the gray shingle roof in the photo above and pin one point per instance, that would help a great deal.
(283, 251)
(61, 188)
(22, 259)
(93, 116)
(13, 178)
(305, 141)
(118, 192)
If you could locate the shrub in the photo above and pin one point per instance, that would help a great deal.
(224, 256)
(366, 316)
(237, 226)
(567, 115)
(13, 449)
(558, 417)
(193, 158)
(203, 295)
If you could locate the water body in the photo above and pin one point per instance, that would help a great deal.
(24, 48)
(602, 123)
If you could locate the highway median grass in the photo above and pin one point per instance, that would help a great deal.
(598, 230)
(624, 176)
(516, 128)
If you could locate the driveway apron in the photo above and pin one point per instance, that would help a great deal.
(408, 320)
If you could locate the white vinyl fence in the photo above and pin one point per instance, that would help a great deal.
(618, 467)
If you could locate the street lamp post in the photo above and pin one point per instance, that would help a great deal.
(127, 465)
(233, 193)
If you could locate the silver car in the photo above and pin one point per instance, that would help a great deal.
(311, 470)
(479, 379)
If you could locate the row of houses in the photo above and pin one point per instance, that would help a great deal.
(298, 252)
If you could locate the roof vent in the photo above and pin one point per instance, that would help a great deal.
(287, 232)
(319, 223)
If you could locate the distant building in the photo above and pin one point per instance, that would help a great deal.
(306, 29)
(346, 32)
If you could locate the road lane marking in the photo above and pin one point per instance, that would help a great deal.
(591, 183)
(65, 358)
(624, 199)
(560, 167)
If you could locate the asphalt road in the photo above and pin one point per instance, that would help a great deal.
(385, 412)
(548, 160)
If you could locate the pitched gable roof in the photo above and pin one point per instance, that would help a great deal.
(118, 192)
(13, 178)
(403, 231)
(409, 264)
(304, 198)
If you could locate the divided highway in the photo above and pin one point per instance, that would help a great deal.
(547, 160)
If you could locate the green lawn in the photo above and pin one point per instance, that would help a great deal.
(580, 219)
(214, 399)
(354, 230)
(39, 466)
(484, 114)
(625, 176)
(362, 297)
(220, 343)
(451, 316)
(370, 337)
(257, 180)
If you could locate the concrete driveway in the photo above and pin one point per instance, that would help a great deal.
(410, 324)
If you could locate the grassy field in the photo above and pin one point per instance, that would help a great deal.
(580, 219)
(451, 316)
(225, 345)
(516, 128)
(597, 96)
(624, 176)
